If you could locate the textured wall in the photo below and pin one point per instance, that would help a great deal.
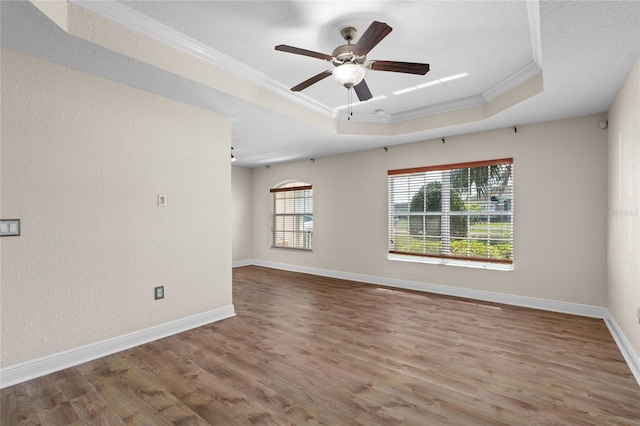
(560, 197)
(241, 221)
(83, 160)
(623, 208)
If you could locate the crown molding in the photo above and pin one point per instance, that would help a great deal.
(134, 20)
(364, 117)
(533, 13)
(514, 80)
(440, 108)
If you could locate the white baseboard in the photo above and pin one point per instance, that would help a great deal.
(239, 263)
(51, 363)
(39, 367)
(488, 296)
(630, 356)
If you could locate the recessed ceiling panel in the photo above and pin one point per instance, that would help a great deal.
(585, 51)
(489, 41)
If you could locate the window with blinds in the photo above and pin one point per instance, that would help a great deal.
(292, 216)
(454, 212)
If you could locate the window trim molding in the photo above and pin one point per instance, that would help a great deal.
(446, 259)
(284, 187)
(450, 166)
(291, 188)
(470, 259)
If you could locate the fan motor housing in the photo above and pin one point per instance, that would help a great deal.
(343, 54)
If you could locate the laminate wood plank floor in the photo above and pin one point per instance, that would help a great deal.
(304, 349)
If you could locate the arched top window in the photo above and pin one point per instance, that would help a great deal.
(292, 215)
(290, 184)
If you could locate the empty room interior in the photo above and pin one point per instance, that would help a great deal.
(327, 212)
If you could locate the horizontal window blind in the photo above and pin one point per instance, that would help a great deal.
(454, 211)
(292, 216)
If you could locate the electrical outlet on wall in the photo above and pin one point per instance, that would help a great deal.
(159, 292)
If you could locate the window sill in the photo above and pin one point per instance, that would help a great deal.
(292, 248)
(451, 262)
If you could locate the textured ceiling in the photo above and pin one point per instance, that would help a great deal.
(451, 36)
(583, 50)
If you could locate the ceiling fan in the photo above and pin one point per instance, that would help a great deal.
(350, 60)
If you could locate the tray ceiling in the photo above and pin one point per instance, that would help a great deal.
(522, 62)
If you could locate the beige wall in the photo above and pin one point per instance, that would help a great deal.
(241, 220)
(623, 208)
(83, 160)
(560, 199)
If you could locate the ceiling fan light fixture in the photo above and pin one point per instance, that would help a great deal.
(348, 75)
(350, 61)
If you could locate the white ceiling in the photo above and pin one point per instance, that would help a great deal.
(582, 50)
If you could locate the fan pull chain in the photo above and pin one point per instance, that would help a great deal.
(348, 104)
(351, 100)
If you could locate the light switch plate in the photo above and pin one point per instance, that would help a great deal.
(158, 292)
(9, 227)
(162, 200)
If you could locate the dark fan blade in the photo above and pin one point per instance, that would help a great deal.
(312, 80)
(371, 37)
(298, 51)
(362, 90)
(405, 67)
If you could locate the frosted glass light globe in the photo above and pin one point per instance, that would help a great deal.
(348, 75)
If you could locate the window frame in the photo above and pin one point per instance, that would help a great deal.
(444, 215)
(298, 237)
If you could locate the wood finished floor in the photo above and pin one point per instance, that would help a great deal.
(312, 350)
